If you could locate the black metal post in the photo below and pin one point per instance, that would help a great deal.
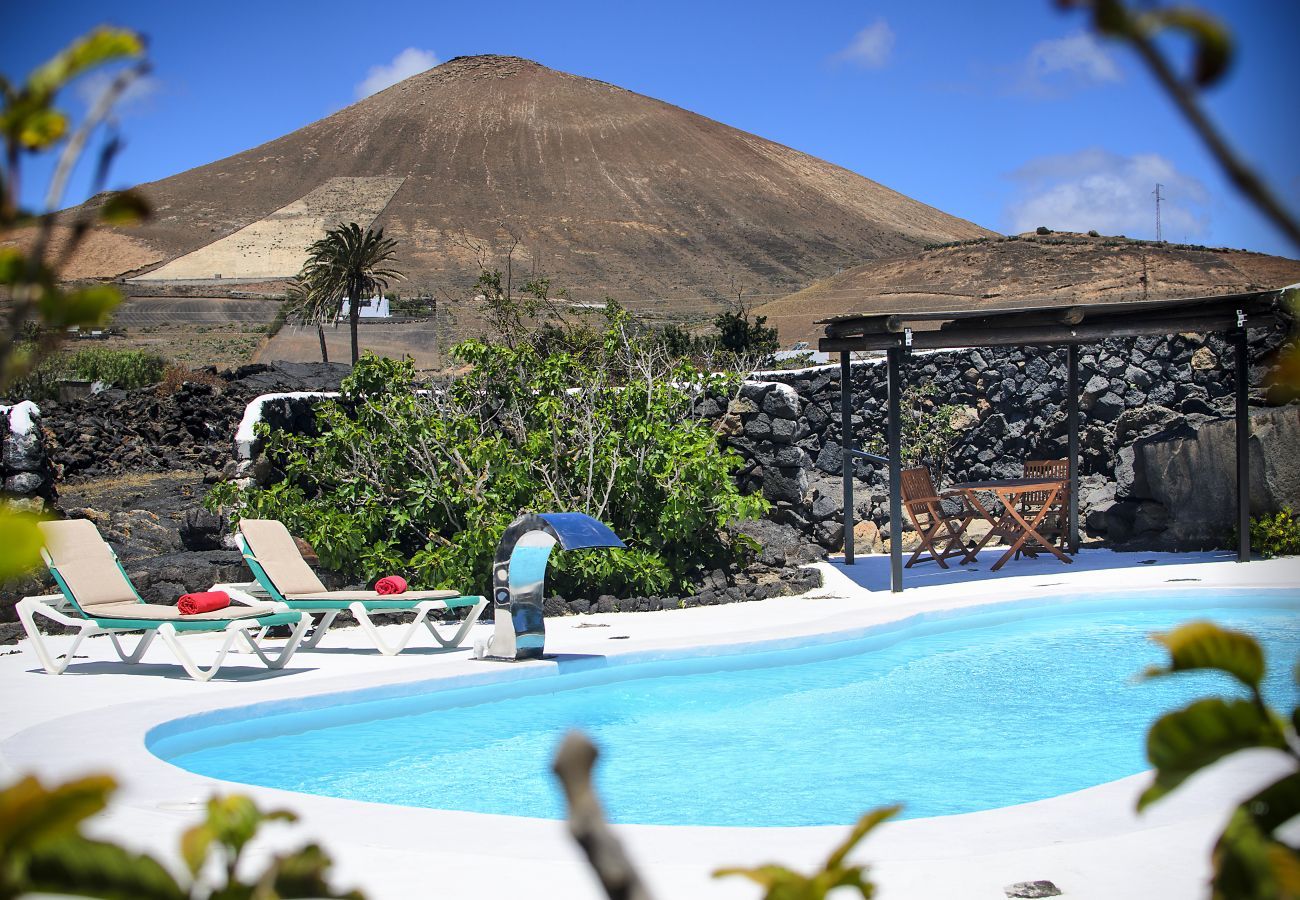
(1072, 427)
(846, 444)
(895, 355)
(1243, 445)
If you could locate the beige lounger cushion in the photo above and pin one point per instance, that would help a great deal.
(136, 610)
(372, 595)
(102, 591)
(95, 581)
(277, 554)
(72, 540)
(275, 550)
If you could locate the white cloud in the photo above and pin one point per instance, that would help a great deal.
(1077, 60)
(1097, 189)
(870, 47)
(405, 64)
(90, 87)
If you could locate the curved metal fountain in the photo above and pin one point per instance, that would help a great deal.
(519, 576)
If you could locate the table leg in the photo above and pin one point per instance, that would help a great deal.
(993, 525)
(1028, 531)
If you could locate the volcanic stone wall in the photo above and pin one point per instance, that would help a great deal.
(26, 477)
(1010, 407)
(151, 430)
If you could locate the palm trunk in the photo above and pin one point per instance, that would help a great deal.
(354, 316)
(324, 351)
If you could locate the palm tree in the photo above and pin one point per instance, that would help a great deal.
(353, 264)
(315, 303)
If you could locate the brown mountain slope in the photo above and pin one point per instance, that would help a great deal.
(607, 191)
(1026, 270)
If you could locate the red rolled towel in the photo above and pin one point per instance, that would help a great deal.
(390, 584)
(202, 601)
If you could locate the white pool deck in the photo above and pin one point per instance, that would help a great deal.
(1091, 844)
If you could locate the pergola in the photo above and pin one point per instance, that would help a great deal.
(1068, 326)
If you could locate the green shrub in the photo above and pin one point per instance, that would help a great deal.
(1277, 534)
(737, 334)
(424, 482)
(119, 368)
(928, 434)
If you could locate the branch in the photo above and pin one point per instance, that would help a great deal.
(573, 765)
(72, 152)
(1238, 172)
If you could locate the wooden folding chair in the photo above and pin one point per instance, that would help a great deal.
(1054, 524)
(941, 534)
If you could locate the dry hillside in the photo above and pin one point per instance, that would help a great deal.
(606, 191)
(1026, 270)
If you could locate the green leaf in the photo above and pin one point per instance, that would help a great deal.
(234, 820)
(1213, 43)
(1286, 868)
(195, 844)
(1275, 804)
(1242, 868)
(1185, 741)
(31, 814)
(102, 45)
(86, 868)
(124, 208)
(20, 548)
(1110, 17)
(781, 883)
(1204, 645)
(860, 830)
(304, 874)
(87, 307)
(41, 128)
(12, 264)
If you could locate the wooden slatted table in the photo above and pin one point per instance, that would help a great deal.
(1010, 524)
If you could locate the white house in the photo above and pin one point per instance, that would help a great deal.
(374, 308)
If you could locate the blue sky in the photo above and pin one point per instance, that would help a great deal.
(1008, 114)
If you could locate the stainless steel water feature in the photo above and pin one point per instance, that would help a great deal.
(519, 575)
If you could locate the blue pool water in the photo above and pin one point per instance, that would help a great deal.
(949, 714)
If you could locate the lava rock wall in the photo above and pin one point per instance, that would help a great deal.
(1010, 406)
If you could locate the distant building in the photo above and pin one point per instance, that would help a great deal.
(374, 308)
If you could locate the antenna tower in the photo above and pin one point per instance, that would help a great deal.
(1159, 239)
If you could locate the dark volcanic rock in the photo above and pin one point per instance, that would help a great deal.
(202, 530)
(145, 431)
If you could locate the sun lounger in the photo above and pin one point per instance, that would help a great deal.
(97, 597)
(285, 576)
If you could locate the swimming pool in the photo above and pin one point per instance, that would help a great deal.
(946, 713)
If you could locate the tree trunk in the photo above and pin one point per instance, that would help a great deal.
(324, 351)
(354, 316)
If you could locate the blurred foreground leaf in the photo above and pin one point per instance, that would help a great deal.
(1183, 742)
(102, 45)
(1251, 862)
(20, 546)
(781, 883)
(1204, 645)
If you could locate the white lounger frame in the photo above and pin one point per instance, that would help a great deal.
(254, 592)
(371, 629)
(51, 607)
(422, 612)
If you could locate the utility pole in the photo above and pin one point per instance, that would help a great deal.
(1159, 239)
